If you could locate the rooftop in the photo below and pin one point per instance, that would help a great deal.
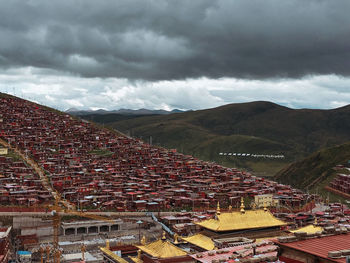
(162, 248)
(201, 241)
(231, 253)
(250, 219)
(310, 229)
(321, 246)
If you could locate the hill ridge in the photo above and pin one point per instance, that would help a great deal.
(299, 132)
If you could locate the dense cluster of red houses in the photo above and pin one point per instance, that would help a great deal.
(19, 184)
(341, 183)
(99, 168)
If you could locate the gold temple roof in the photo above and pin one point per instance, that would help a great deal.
(248, 219)
(201, 241)
(310, 229)
(136, 259)
(112, 255)
(162, 249)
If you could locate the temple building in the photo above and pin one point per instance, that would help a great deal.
(200, 242)
(255, 223)
(160, 251)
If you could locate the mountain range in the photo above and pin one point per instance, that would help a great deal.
(77, 112)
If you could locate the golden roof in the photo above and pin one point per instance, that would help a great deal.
(136, 259)
(310, 229)
(248, 219)
(162, 249)
(201, 241)
(112, 255)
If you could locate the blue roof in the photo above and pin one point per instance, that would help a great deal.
(24, 253)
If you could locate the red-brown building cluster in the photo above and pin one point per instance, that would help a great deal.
(99, 168)
(341, 183)
(19, 184)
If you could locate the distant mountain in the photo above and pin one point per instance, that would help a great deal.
(257, 127)
(316, 171)
(77, 112)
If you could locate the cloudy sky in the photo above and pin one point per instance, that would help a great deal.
(167, 54)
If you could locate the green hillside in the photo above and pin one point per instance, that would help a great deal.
(316, 171)
(109, 117)
(257, 127)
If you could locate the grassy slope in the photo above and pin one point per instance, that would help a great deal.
(315, 172)
(258, 127)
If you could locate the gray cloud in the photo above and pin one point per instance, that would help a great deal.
(162, 40)
(62, 91)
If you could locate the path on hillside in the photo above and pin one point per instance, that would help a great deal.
(40, 171)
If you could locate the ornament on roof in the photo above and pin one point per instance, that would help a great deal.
(242, 206)
(176, 239)
(143, 240)
(218, 209)
(163, 236)
(139, 254)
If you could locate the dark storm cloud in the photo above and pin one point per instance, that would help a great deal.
(156, 40)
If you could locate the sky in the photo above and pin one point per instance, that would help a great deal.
(165, 54)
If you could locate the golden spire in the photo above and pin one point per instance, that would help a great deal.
(218, 209)
(230, 208)
(176, 239)
(107, 243)
(265, 206)
(143, 240)
(163, 237)
(315, 223)
(139, 254)
(242, 206)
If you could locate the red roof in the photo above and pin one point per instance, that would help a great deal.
(321, 246)
(301, 217)
(319, 213)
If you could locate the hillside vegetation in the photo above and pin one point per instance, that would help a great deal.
(257, 127)
(316, 171)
